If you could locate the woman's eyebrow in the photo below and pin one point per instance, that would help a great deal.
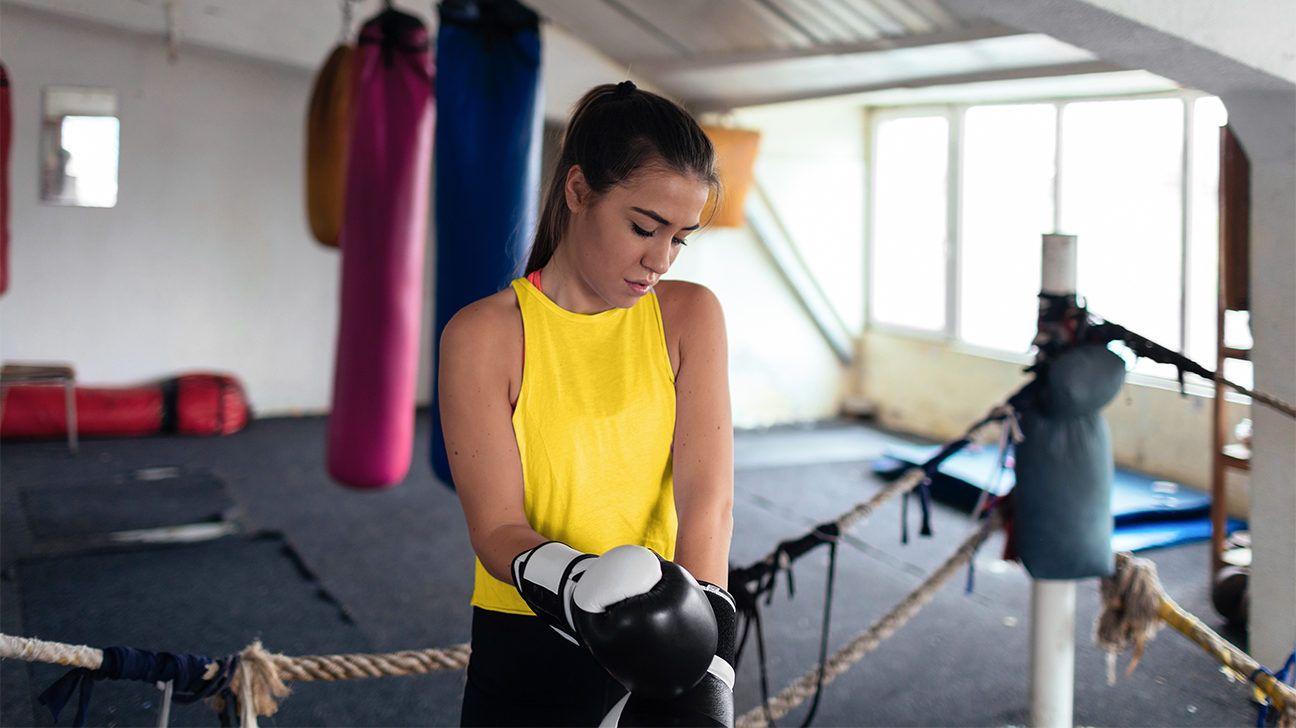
(661, 219)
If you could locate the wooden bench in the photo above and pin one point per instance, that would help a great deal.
(43, 374)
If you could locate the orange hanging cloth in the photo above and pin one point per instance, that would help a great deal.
(328, 137)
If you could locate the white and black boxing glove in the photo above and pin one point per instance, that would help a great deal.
(646, 620)
(545, 576)
(709, 702)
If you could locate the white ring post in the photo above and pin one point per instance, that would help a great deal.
(1058, 274)
(1052, 653)
(1052, 637)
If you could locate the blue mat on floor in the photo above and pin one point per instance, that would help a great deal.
(1149, 513)
(1157, 534)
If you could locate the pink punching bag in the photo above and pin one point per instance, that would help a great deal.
(384, 227)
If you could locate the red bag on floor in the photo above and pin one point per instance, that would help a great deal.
(193, 404)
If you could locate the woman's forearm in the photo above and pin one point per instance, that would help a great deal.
(702, 545)
(497, 549)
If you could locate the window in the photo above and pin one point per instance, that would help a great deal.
(1135, 179)
(1122, 193)
(907, 269)
(1008, 154)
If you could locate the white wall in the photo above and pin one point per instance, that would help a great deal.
(206, 261)
(780, 368)
(811, 165)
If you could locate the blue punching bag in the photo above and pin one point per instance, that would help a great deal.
(487, 159)
(1062, 517)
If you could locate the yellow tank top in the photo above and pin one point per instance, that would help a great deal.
(595, 422)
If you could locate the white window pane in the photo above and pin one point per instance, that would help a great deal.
(1203, 244)
(90, 160)
(907, 277)
(1008, 168)
(1121, 193)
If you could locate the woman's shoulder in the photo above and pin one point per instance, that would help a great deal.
(487, 322)
(688, 310)
(685, 300)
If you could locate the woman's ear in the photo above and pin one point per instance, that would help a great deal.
(576, 189)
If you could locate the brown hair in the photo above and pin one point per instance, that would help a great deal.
(614, 131)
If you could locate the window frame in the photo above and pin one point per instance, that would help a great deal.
(954, 114)
(874, 118)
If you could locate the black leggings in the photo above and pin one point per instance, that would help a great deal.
(523, 673)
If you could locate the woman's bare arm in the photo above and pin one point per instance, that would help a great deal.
(478, 347)
(703, 434)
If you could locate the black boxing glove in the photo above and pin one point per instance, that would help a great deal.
(710, 701)
(646, 620)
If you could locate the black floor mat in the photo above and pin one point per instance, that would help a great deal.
(71, 511)
(210, 598)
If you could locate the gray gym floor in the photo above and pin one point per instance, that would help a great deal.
(316, 568)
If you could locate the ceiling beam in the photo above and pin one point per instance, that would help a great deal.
(728, 103)
(704, 62)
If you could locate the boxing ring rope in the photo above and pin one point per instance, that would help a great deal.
(1135, 607)
(259, 677)
(305, 668)
(865, 642)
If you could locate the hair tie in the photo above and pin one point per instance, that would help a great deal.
(624, 89)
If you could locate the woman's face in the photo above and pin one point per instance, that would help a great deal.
(621, 242)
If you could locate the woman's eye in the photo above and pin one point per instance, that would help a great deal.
(640, 231)
(679, 241)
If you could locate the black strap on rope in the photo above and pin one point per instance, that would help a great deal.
(823, 632)
(748, 584)
(184, 671)
(760, 579)
(1105, 331)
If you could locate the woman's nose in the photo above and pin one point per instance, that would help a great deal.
(657, 259)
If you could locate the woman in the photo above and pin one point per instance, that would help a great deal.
(588, 403)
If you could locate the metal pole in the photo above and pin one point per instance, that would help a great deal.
(164, 715)
(1052, 636)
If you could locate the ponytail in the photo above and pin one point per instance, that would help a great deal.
(615, 130)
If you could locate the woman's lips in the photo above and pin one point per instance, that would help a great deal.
(638, 289)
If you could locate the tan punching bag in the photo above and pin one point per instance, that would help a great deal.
(328, 137)
(736, 162)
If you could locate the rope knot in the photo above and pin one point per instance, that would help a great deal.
(1130, 598)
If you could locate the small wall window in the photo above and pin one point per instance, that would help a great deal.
(79, 147)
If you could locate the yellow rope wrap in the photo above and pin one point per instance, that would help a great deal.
(1135, 582)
